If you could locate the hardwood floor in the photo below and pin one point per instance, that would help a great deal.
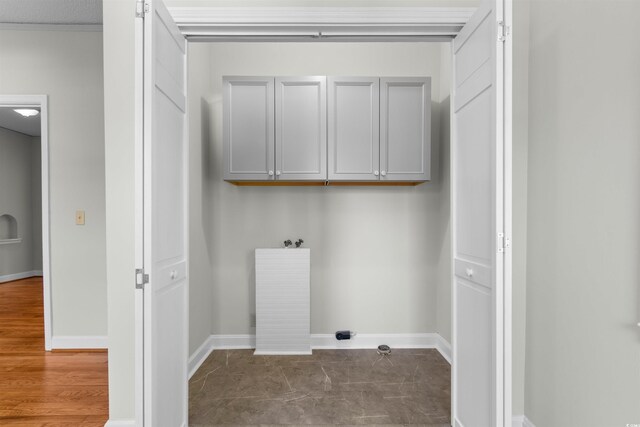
(39, 388)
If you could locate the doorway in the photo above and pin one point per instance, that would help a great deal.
(24, 227)
(485, 271)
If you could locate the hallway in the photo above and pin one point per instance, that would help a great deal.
(39, 388)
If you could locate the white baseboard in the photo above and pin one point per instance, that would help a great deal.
(443, 347)
(521, 421)
(329, 341)
(233, 342)
(200, 355)
(18, 276)
(120, 423)
(324, 342)
(78, 342)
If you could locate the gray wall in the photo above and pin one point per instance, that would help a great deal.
(583, 345)
(19, 197)
(374, 249)
(119, 126)
(67, 66)
(36, 201)
(519, 158)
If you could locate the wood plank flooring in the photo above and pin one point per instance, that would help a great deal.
(39, 388)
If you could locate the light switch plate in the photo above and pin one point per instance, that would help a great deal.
(79, 217)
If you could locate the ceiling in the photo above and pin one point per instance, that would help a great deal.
(60, 12)
(11, 120)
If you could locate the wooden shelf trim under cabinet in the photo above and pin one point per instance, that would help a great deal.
(325, 183)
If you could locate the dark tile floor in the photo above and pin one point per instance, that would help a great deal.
(346, 387)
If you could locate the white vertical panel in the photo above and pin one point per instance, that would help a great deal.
(165, 216)
(283, 301)
(478, 385)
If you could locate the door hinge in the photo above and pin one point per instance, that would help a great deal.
(503, 31)
(142, 7)
(141, 278)
(503, 242)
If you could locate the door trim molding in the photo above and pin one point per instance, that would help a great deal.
(41, 101)
(272, 23)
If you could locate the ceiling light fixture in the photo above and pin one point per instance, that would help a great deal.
(26, 112)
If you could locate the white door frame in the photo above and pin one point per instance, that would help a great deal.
(41, 102)
(298, 24)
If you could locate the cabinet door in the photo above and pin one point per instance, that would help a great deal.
(354, 130)
(405, 129)
(248, 129)
(301, 128)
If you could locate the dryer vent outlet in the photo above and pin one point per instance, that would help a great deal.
(343, 335)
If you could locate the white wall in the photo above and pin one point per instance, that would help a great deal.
(201, 178)
(374, 249)
(36, 201)
(16, 199)
(443, 274)
(519, 241)
(67, 66)
(583, 345)
(119, 41)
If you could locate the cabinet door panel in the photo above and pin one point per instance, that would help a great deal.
(354, 143)
(405, 129)
(248, 128)
(301, 134)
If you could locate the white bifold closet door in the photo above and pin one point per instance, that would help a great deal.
(478, 384)
(166, 295)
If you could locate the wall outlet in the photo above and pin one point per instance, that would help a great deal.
(79, 217)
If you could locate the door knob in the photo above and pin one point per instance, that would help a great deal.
(383, 173)
(277, 173)
(173, 274)
(270, 173)
(469, 272)
(376, 173)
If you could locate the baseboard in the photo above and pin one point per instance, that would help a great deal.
(324, 342)
(443, 347)
(120, 423)
(200, 355)
(359, 341)
(521, 421)
(18, 276)
(78, 342)
(233, 342)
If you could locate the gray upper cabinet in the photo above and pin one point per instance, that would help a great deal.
(405, 129)
(353, 122)
(336, 129)
(301, 128)
(249, 148)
